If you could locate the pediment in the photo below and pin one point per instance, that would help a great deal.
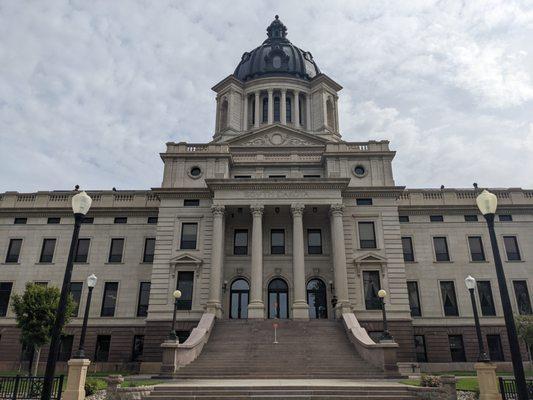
(186, 259)
(370, 258)
(277, 136)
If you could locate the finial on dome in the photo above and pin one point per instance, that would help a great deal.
(276, 29)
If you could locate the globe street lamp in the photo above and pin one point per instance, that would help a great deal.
(487, 203)
(177, 296)
(91, 283)
(385, 336)
(470, 283)
(81, 203)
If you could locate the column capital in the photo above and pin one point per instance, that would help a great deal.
(336, 209)
(257, 210)
(270, 91)
(297, 209)
(283, 90)
(218, 210)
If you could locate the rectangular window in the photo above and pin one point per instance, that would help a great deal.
(449, 300)
(457, 348)
(471, 218)
(240, 242)
(363, 202)
(522, 297)
(476, 248)
(414, 299)
(367, 235)
(189, 233)
(75, 292)
(149, 250)
(144, 297)
(277, 176)
(82, 250)
(47, 251)
(110, 299)
(441, 249)
(53, 220)
(407, 245)
(494, 343)
(103, 343)
(420, 348)
(314, 241)
(511, 248)
(277, 241)
(20, 220)
(191, 203)
(87, 220)
(371, 286)
(486, 300)
(311, 176)
(185, 285)
(65, 347)
(138, 347)
(115, 251)
(121, 220)
(5, 294)
(151, 220)
(403, 218)
(243, 176)
(505, 217)
(13, 251)
(436, 218)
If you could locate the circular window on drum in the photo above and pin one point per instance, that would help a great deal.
(195, 172)
(359, 171)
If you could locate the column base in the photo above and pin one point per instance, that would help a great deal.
(488, 382)
(300, 310)
(256, 310)
(77, 373)
(342, 308)
(214, 307)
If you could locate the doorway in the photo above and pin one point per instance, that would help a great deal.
(278, 299)
(238, 300)
(317, 299)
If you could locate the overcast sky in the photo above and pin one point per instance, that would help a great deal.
(90, 91)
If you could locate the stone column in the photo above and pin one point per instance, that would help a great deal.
(270, 106)
(283, 107)
(308, 111)
(214, 304)
(245, 113)
(339, 259)
(300, 309)
(77, 373)
(256, 111)
(256, 308)
(296, 117)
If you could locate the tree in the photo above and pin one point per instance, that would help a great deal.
(35, 314)
(524, 327)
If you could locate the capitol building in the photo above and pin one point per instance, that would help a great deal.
(277, 220)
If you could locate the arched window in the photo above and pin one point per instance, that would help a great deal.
(276, 109)
(288, 109)
(239, 297)
(278, 299)
(224, 114)
(316, 298)
(253, 110)
(265, 109)
(300, 111)
(330, 114)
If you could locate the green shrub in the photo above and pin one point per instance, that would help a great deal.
(93, 385)
(429, 381)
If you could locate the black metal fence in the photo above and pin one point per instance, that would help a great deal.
(28, 387)
(508, 388)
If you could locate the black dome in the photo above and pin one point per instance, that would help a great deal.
(276, 56)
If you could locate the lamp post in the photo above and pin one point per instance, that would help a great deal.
(470, 283)
(487, 203)
(385, 336)
(177, 296)
(91, 283)
(81, 203)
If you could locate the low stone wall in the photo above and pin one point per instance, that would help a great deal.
(446, 390)
(115, 392)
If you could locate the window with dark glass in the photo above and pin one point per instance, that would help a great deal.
(278, 299)
(151, 220)
(53, 220)
(110, 299)
(314, 241)
(476, 248)
(239, 298)
(121, 220)
(82, 250)
(511, 248)
(138, 347)
(75, 292)
(103, 343)
(505, 218)
(420, 348)
(20, 220)
(449, 300)
(311, 176)
(277, 176)
(371, 286)
(185, 285)
(115, 251)
(87, 220)
(367, 235)
(494, 343)
(407, 246)
(149, 250)
(288, 109)
(191, 202)
(265, 109)
(277, 241)
(47, 251)
(189, 233)
(144, 297)
(486, 300)
(436, 218)
(243, 176)
(276, 109)
(471, 218)
(5, 294)
(441, 249)
(414, 299)
(457, 348)
(522, 297)
(240, 242)
(403, 218)
(13, 251)
(363, 202)
(65, 347)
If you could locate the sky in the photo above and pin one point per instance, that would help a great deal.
(90, 91)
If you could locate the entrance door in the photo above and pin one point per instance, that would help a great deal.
(316, 298)
(278, 299)
(239, 294)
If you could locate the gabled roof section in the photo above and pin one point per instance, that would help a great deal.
(185, 258)
(277, 136)
(370, 257)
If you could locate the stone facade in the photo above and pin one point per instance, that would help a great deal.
(272, 199)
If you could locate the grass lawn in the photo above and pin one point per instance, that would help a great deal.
(466, 384)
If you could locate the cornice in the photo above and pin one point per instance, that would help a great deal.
(374, 191)
(461, 209)
(67, 212)
(181, 193)
(286, 183)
